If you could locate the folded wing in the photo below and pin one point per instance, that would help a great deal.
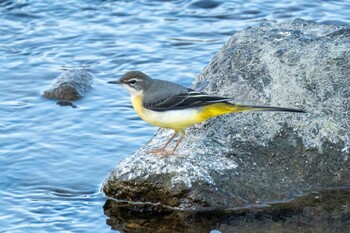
(189, 99)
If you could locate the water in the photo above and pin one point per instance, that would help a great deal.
(53, 159)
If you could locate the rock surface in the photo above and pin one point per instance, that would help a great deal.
(325, 211)
(70, 85)
(246, 159)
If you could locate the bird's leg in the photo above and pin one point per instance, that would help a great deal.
(165, 153)
(171, 138)
(162, 150)
(182, 132)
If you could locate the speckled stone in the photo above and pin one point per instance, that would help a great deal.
(247, 159)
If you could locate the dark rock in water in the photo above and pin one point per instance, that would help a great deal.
(66, 103)
(323, 211)
(247, 159)
(70, 85)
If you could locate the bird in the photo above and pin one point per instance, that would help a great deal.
(169, 105)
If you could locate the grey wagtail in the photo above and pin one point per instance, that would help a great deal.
(169, 105)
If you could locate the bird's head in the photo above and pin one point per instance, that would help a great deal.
(134, 81)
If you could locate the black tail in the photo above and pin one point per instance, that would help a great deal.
(275, 109)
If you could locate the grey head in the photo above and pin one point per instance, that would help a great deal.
(134, 81)
(154, 91)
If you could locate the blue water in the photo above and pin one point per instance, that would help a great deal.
(54, 159)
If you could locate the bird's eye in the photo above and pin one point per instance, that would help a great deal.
(133, 82)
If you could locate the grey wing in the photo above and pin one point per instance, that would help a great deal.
(176, 99)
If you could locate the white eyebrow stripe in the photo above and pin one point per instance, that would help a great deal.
(194, 92)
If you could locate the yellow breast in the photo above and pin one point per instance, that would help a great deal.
(137, 104)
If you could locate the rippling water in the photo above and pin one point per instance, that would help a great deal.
(53, 159)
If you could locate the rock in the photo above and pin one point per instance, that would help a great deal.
(246, 159)
(66, 103)
(70, 85)
(324, 211)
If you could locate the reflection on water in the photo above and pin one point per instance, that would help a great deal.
(325, 211)
(53, 159)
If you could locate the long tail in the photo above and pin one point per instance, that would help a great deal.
(267, 108)
(217, 109)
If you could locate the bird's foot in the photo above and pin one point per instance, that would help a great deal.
(161, 152)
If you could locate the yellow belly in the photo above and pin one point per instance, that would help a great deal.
(173, 119)
(183, 118)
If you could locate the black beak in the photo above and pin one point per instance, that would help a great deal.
(114, 82)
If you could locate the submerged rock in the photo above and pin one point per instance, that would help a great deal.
(324, 211)
(246, 159)
(71, 85)
(66, 103)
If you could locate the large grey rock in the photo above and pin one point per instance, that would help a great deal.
(247, 159)
(70, 85)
